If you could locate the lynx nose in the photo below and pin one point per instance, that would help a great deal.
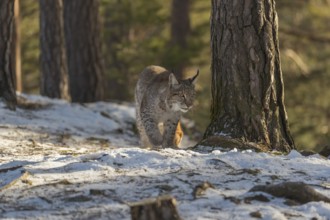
(188, 103)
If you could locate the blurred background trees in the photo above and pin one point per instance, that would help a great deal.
(7, 49)
(83, 47)
(305, 48)
(54, 79)
(135, 34)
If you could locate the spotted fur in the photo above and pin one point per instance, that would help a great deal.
(160, 100)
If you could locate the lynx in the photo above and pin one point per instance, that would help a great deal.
(160, 100)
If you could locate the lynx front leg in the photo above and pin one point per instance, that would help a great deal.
(152, 131)
(178, 135)
(169, 139)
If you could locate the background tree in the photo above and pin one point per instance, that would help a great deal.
(16, 47)
(85, 63)
(247, 83)
(180, 31)
(53, 63)
(7, 75)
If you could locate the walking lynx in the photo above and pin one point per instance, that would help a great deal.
(160, 100)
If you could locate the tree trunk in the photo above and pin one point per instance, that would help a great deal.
(54, 72)
(7, 77)
(16, 47)
(180, 29)
(82, 35)
(247, 83)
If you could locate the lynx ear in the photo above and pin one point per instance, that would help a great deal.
(193, 80)
(172, 80)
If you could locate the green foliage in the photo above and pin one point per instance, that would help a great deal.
(134, 38)
(306, 82)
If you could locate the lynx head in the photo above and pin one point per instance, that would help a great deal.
(181, 93)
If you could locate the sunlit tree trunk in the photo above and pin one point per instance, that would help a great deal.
(180, 29)
(83, 42)
(16, 44)
(247, 83)
(7, 75)
(54, 72)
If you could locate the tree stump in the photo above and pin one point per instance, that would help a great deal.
(159, 208)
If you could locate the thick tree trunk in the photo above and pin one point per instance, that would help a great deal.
(247, 83)
(7, 75)
(83, 42)
(180, 29)
(54, 72)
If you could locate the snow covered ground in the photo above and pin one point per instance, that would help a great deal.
(72, 161)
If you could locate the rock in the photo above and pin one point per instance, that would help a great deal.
(325, 151)
(201, 188)
(256, 214)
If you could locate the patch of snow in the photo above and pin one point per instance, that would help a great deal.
(71, 161)
(294, 154)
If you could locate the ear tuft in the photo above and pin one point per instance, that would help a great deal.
(172, 80)
(193, 80)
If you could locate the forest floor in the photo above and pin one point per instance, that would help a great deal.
(71, 161)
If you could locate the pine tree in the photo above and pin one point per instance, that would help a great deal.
(247, 84)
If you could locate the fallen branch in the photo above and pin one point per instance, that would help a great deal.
(296, 191)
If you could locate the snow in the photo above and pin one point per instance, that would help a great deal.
(72, 161)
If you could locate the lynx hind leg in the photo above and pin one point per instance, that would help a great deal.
(150, 131)
(178, 135)
(144, 141)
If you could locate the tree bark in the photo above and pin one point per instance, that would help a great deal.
(7, 75)
(82, 35)
(54, 72)
(180, 30)
(16, 47)
(247, 82)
